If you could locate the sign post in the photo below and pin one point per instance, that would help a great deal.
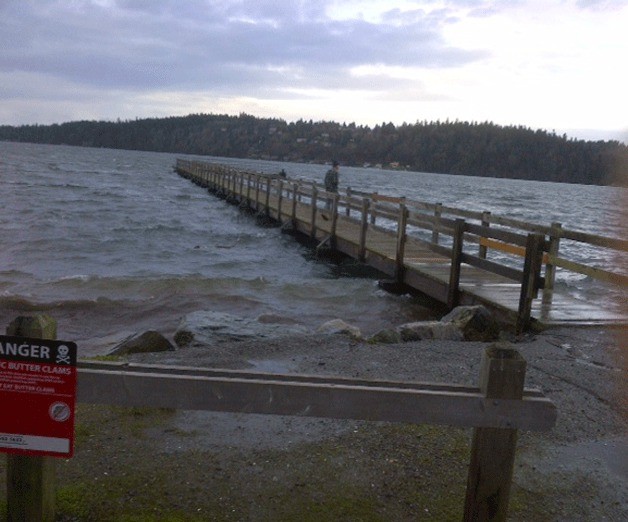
(37, 398)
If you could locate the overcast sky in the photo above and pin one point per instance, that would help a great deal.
(550, 64)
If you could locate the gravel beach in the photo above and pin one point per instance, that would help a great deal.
(151, 464)
(113, 243)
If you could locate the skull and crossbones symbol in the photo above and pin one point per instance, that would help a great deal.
(63, 354)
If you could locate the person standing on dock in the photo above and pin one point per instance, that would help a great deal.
(331, 180)
(331, 177)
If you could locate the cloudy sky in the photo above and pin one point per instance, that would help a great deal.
(551, 64)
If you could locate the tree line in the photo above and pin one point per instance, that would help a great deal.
(470, 148)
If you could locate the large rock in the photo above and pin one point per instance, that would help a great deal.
(150, 341)
(206, 327)
(275, 319)
(338, 326)
(386, 336)
(464, 323)
(475, 322)
(430, 330)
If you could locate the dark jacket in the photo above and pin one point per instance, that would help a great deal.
(331, 180)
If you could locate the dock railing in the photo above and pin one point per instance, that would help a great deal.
(524, 252)
(433, 217)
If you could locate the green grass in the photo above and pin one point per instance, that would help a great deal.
(377, 472)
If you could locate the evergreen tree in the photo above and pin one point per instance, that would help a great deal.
(470, 148)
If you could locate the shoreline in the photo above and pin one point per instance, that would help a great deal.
(218, 466)
(156, 464)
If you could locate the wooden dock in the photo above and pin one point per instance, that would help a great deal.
(427, 248)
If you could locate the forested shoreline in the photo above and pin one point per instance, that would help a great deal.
(469, 148)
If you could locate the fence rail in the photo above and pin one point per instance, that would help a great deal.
(186, 388)
(496, 409)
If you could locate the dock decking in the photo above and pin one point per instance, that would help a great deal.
(389, 234)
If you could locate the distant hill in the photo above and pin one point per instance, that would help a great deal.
(475, 149)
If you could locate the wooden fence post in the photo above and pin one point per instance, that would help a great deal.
(219, 180)
(401, 243)
(373, 207)
(530, 281)
(334, 220)
(257, 184)
(348, 207)
(554, 242)
(438, 210)
(279, 200)
(248, 189)
(486, 222)
(363, 229)
(267, 201)
(502, 376)
(314, 209)
(31, 479)
(456, 260)
(295, 190)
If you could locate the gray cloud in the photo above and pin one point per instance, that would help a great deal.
(600, 5)
(227, 46)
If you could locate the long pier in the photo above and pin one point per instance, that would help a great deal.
(438, 251)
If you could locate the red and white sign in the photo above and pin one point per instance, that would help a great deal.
(37, 396)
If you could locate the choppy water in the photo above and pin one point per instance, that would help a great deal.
(111, 241)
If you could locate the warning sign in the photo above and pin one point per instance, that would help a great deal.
(37, 396)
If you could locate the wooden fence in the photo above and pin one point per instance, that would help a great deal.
(497, 408)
